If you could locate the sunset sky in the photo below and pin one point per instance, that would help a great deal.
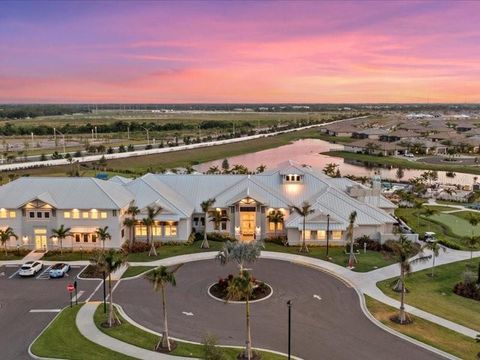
(212, 51)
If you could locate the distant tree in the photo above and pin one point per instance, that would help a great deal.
(276, 217)
(330, 169)
(225, 166)
(303, 211)
(61, 234)
(5, 236)
(261, 168)
(400, 173)
(351, 222)
(206, 205)
(435, 247)
(103, 235)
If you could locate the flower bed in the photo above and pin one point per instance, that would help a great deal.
(220, 289)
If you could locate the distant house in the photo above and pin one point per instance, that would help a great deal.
(375, 147)
(464, 127)
(340, 130)
(371, 133)
(398, 135)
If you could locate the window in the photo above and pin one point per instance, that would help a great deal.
(66, 215)
(195, 221)
(94, 214)
(307, 234)
(114, 213)
(77, 237)
(313, 234)
(12, 214)
(85, 237)
(31, 215)
(224, 226)
(85, 215)
(76, 214)
(170, 230)
(271, 226)
(39, 214)
(337, 235)
(156, 230)
(202, 220)
(103, 214)
(140, 230)
(94, 238)
(3, 213)
(123, 233)
(321, 235)
(46, 215)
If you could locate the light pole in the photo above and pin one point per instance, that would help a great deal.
(328, 231)
(289, 304)
(63, 138)
(148, 137)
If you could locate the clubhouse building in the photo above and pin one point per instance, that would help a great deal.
(33, 206)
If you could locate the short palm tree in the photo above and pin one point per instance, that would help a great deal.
(6, 235)
(206, 205)
(160, 278)
(241, 287)
(61, 234)
(303, 211)
(261, 168)
(276, 217)
(148, 221)
(103, 235)
(473, 241)
(403, 250)
(109, 262)
(240, 252)
(351, 223)
(435, 247)
(216, 217)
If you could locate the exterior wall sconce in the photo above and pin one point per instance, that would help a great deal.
(55, 239)
(258, 230)
(25, 239)
(237, 230)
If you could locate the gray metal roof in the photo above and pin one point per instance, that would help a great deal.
(65, 193)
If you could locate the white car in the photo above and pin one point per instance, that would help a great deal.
(410, 155)
(30, 268)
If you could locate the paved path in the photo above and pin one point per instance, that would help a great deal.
(87, 328)
(364, 282)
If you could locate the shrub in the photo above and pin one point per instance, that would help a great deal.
(280, 240)
(371, 244)
(218, 236)
(468, 290)
(210, 349)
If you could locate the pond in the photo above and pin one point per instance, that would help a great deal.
(308, 151)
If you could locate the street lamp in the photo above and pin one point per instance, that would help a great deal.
(148, 137)
(289, 304)
(328, 231)
(55, 131)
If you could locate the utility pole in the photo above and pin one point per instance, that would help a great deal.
(289, 304)
(328, 231)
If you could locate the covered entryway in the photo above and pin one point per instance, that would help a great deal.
(40, 239)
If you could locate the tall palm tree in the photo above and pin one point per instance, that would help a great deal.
(241, 287)
(109, 262)
(435, 247)
(130, 224)
(133, 211)
(473, 241)
(148, 221)
(217, 218)
(403, 250)
(103, 235)
(206, 205)
(160, 278)
(303, 211)
(61, 233)
(351, 222)
(6, 235)
(276, 217)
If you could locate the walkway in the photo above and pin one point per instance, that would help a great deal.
(87, 328)
(365, 283)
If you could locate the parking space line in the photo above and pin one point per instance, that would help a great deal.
(44, 275)
(80, 293)
(11, 265)
(15, 273)
(94, 291)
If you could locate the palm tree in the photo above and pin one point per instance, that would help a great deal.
(130, 224)
(303, 211)
(241, 287)
(429, 212)
(103, 235)
(276, 217)
(261, 168)
(109, 262)
(473, 240)
(240, 252)
(133, 211)
(351, 222)
(330, 169)
(6, 235)
(160, 278)
(400, 173)
(435, 247)
(61, 233)
(217, 218)
(206, 205)
(148, 221)
(403, 250)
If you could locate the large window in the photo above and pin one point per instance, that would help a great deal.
(321, 235)
(4, 213)
(140, 230)
(271, 226)
(156, 230)
(307, 234)
(337, 235)
(103, 214)
(67, 215)
(75, 214)
(170, 230)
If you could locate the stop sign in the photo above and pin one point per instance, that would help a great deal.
(70, 287)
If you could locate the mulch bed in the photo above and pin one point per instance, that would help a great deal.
(219, 290)
(91, 272)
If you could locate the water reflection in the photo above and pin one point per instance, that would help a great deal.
(308, 151)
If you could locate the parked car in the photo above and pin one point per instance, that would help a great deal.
(30, 268)
(410, 155)
(59, 270)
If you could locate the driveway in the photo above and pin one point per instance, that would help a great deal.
(327, 321)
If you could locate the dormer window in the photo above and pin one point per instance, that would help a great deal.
(293, 178)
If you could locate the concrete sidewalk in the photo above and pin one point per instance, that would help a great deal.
(87, 328)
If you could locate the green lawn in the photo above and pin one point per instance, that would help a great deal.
(12, 255)
(68, 255)
(426, 331)
(136, 270)
(371, 260)
(436, 295)
(466, 214)
(457, 224)
(438, 224)
(403, 163)
(62, 340)
(138, 337)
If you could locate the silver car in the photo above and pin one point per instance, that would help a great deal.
(30, 268)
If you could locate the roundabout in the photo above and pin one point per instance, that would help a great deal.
(327, 318)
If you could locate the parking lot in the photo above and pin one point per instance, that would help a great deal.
(29, 304)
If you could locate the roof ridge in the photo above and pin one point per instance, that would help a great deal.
(161, 195)
(95, 181)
